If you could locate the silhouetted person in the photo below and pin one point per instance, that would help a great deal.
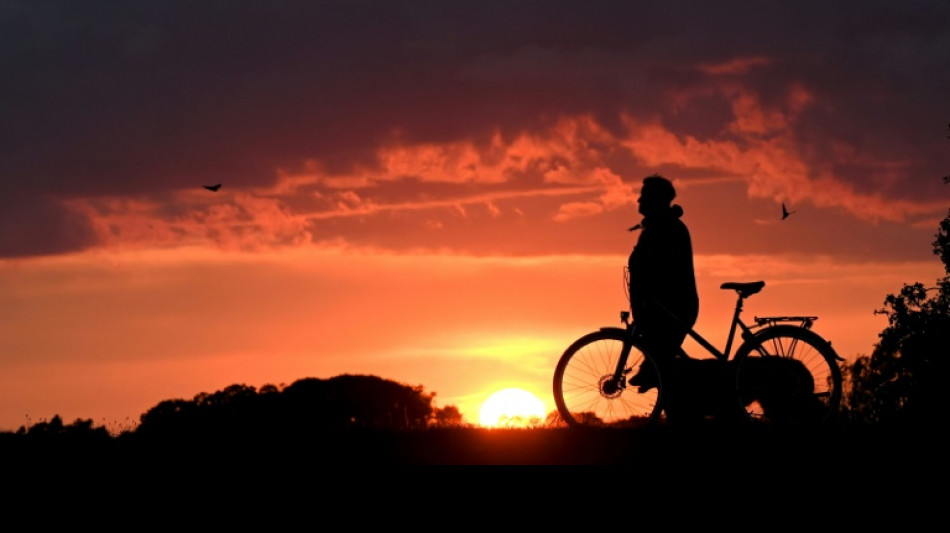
(663, 295)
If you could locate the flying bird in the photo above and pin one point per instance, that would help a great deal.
(213, 188)
(785, 212)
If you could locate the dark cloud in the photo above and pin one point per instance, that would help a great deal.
(38, 226)
(147, 97)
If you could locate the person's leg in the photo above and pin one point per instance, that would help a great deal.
(654, 338)
(678, 401)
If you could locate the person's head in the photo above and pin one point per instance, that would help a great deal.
(656, 194)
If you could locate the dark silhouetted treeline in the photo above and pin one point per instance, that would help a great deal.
(309, 405)
(342, 402)
(904, 379)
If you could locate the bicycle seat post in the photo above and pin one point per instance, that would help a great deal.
(741, 295)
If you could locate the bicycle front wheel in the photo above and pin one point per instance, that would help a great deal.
(588, 391)
(787, 374)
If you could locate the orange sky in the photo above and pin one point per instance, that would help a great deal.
(437, 194)
(107, 335)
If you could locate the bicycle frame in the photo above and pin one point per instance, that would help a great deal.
(747, 332)
(737, 325)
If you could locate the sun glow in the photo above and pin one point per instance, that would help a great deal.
(512, 407)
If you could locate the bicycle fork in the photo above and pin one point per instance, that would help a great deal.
(616, 383)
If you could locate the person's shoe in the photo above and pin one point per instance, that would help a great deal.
(645, 378)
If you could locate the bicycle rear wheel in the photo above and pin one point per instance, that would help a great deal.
(586, 393)
(788, 374)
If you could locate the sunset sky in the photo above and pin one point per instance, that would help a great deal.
(435, 192)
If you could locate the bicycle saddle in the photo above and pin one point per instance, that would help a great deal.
(744, 289)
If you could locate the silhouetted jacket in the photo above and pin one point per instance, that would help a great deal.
(661, 268)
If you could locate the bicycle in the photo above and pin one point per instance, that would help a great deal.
(591, 387)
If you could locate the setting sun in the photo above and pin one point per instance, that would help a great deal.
(511, 408)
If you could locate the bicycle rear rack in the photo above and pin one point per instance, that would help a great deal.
(805, 321)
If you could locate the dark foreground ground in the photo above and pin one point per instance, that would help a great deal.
(800, 476)
(777, 478)
(752, 449)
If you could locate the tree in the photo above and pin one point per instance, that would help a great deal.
(448, 416)
(902, 381)
(309, 404)
(358, 401)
